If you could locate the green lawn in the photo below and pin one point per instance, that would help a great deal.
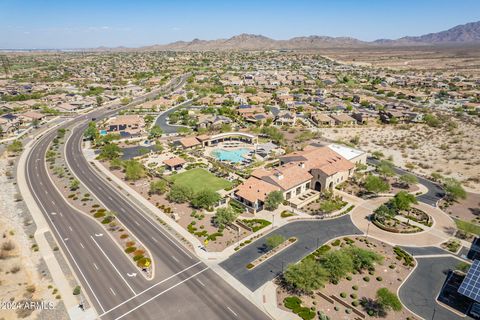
(200, 179)
(468, 227)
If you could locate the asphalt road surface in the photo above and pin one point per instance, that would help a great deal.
(434, 194)
(310, 235)
(420, 291)
(162, 119)
(183, 287)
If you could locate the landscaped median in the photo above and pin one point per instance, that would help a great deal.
(274, 244)
(79, 197)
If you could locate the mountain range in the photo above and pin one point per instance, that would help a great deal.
(460, 35)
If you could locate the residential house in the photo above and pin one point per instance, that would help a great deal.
(321, 119)
(343, 119)
(126, 125)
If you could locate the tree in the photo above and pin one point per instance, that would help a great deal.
(74, 184)
(377, 154)
(273, 200)
(155, 132)
(388, 300)
(134, 170)
(274, 241)
(125, 101)
(454, 189)
(376, 184)
(338, 264)
(149, 118)
(224, 216)
(99, 101)
(158, 187)
(306, 276)
(35, 123)
(363, 259)
(385, 168)
(115, 164)
(91, 133)
(110, 151)
(403, 201)
(205, 199)
(15, 146)
(408, 179)
(180, 193)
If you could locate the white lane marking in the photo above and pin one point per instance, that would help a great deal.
(236, 315)
(203, 284)
(156, 284)
(159, 294)
(61, 214)
(46, 192)
(113, 291)
(58, 233)
(95, 266)
(173, 257)
(154, 239)
(100, 188)
(114, 267)
(81, 245)
(69, 227)
(41, 183)
(136, 222)
(53, 202)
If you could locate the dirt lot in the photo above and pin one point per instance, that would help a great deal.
(22, 272)
(455, 59)
(453, 154)
(466, 209)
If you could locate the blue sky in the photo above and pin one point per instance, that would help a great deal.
(87, 23)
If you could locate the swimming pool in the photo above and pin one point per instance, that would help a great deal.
(235, 155)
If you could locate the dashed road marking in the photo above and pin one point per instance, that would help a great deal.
(236, 315)
(96, 267)
(173, 257)
(203, 284)
(81, 245)
(113, 292)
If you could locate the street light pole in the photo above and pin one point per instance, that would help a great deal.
(368, 228)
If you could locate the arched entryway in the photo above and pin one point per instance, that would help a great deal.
(330, 186)
(318, 186)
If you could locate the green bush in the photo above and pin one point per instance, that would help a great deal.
(76, 291)
(366, 278)
(130, 249)
(291, 302)
(343, 294)
(336, 243)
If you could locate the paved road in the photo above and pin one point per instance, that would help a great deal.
(425, 251)
(421, 289)
(183, 287)
(434, 194)
(162, 119)
(308, 233)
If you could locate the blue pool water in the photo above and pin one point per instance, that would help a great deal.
(103, 132)
(235, 155)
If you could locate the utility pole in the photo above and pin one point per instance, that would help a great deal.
(368, 228)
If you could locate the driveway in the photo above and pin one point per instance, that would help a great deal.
(434, 194)
(420, 291)
(308, 233)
